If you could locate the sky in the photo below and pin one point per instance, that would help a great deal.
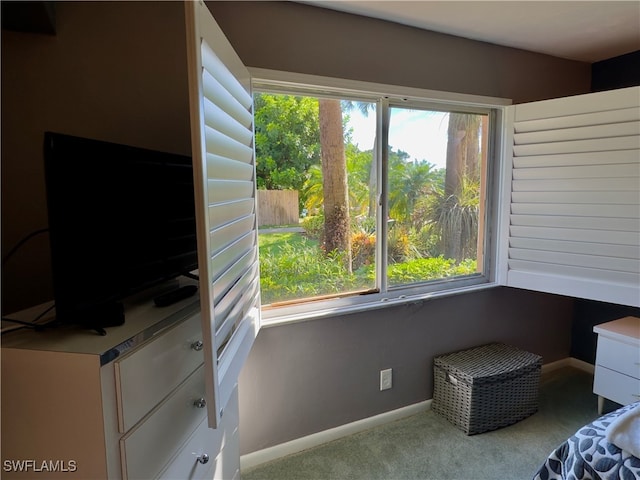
(422, 134)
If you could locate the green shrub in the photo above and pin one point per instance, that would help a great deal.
(364, 224)
(314, 226)
(363, 249)
(424, 242)
(398, 245)
(423, 269)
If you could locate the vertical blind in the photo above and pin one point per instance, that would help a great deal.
(574, 218)
(224, 160)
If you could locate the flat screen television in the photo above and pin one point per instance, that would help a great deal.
(121, 220)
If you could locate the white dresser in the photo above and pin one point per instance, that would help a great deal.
(617, 372)
(128, 405)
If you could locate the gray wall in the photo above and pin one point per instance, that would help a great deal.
(115, 71)
(307, 377)
(307, 39)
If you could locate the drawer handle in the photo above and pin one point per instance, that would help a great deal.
(204, 458)
(200, 403)
(197, 346)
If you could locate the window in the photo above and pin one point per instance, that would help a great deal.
(434, 199)
(392, 197)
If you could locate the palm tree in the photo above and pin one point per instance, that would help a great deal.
(334, 174)
(408, 182)
(312, 189)
(365, 108)
(457, 214)
(463, 149)
(455, 219)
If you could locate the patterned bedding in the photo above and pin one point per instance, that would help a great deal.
(588, 455)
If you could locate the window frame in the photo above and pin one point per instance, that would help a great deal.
(387, 96)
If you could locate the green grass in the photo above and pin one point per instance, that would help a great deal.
(274, 243)
(267, 227)
(293, 266)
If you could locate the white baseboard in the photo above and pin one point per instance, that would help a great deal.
(568, 362)
(299, 444)
(259, 457)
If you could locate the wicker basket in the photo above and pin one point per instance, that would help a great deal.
(487, 387)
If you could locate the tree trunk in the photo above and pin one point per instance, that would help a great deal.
(455, 153)
(373, 179)
(462, 160)
(334, 180)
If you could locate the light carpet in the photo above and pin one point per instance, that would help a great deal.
(425, 446)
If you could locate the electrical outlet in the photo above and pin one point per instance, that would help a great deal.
(385, 379)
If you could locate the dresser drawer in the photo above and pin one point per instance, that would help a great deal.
(149, 446)
(616, 386)
(151, 372)
(619, 356)
(186, 465)
(218, 444)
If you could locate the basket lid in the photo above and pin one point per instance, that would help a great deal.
(486, 362)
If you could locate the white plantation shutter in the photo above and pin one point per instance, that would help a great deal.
(574, 212)
(223, 156)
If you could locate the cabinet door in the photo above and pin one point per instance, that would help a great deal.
(223, 152)
(571, 218)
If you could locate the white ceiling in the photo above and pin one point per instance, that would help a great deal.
(587, 31)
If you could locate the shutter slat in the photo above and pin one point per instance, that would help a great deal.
(596, 145)
(589, 223)
(222, 191)
(585, 119)
(237, 313)
(227, 257)
(583, 197)
(578, 133)
(233, 296)
(576, 234)
(226, 212)
(570, 159)
(615, 184)
(218, 119)
(212, 63)
(229, 168)
(569, 271)
(219, 144)
(229, 278)
(578, 104)
(577, 210)
(215, 92)
(226, 234)
(586, 248)
(583, 171)
(577, 260)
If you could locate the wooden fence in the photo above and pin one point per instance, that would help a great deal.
(277, 207)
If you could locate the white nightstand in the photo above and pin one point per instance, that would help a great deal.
(617, 372)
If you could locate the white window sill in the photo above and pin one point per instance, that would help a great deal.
(316, 310)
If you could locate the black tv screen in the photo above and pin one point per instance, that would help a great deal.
(121, 220)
